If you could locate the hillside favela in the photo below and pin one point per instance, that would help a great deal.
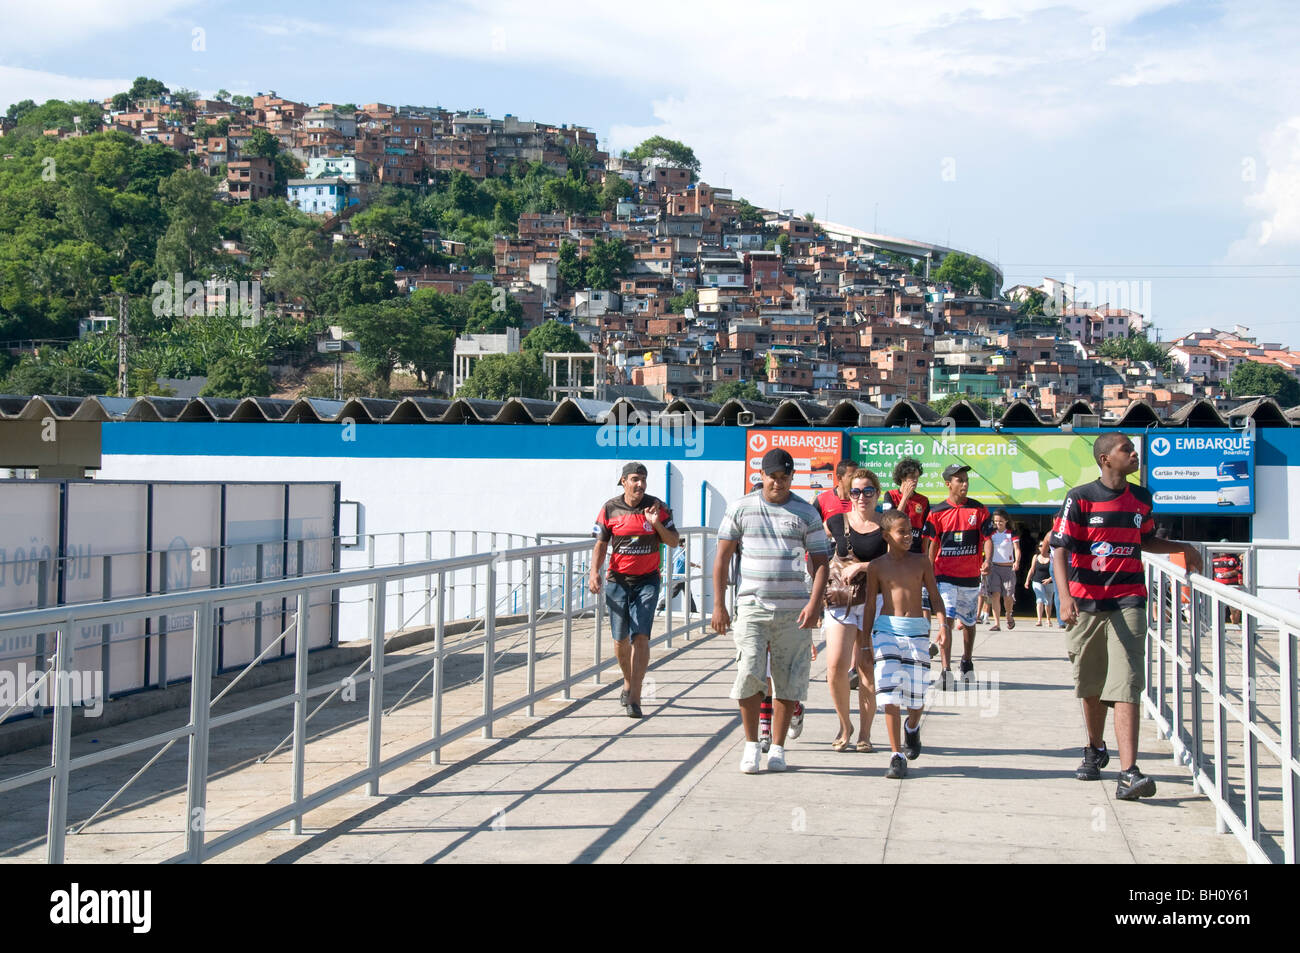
(690, 468)
(452, 250)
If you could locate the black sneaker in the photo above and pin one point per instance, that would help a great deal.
(633, 710)
(1093, 761)
(912, 741)
(622, 698)
(1133, 784)
(897, 767)
(967, 670)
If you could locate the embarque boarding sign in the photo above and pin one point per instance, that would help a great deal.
(1210, 471)
(1006, 469)
(815, 454)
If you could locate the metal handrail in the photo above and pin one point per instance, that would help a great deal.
(203, 605)
(1186, 608)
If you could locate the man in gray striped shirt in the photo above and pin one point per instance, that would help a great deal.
(774, 610)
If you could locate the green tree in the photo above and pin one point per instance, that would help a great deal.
(678, 304)
(222, 95)
(607, 263)
(237, 376)
(146, 88)
(944, 404)
(1032, 304)
(615, 190)
(553, 337)
(1252, 379)
(354, 284)
(300, 266)
(51, 374)
(243, 102)
(187, 246)
(121, 102)
(749, 214)
(502, 376)
(1137, 347)
(488, 310)
(677, 153)
(569, 195)
(391, 233)
(569, 267)
(965, 272)
(735, 390)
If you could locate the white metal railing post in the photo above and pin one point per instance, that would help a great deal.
(196, 791)
(1220, 723)
(667, 571)
(568, 624)
(438, 634)
(489, 646)
(379, 594)
(451, 602)
(473, 576)
(57, 827)
(428, 579)
(299, 706)
(534, 595)
(687, 596)
(401, 582)
(1250, 745)
(1287, 719)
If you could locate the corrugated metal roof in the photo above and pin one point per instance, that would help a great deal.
(413, 410)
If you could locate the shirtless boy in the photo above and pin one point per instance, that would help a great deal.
(900, 635)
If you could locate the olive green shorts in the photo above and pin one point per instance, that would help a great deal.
(1108, 652)
(759, 631)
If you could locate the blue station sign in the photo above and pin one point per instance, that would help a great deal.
(1202, 471)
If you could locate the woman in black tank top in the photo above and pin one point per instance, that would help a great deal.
(856, 533)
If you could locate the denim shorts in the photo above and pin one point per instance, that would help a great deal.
(959, 602)
(631, 606)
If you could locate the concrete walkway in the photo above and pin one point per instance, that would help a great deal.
(583, 783)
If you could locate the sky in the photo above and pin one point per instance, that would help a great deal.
(1148, 150)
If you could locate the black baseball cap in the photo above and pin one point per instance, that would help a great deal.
(778, 459)
(951, 471)
(631, 468)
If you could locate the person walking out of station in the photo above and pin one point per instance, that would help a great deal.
(773, 529)
(1097, 552)
(632, 526)
(961, 548)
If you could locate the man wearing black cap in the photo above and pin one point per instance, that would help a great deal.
(960, 531)
(774, 608)
(636, 523)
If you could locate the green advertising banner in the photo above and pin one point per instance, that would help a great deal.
(1022, 469)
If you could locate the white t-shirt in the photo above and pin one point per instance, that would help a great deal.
(1004, 550)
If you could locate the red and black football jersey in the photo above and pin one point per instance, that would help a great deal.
(1102, 531)
(633, 543)
(1227, 568)
(917, 511)
(961, 532)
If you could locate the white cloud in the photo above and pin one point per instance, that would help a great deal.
(51, 24)
(17, 84)
(1277, 202)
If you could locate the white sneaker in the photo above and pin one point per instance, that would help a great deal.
(796, 723)
(776, 758)
(749, 758)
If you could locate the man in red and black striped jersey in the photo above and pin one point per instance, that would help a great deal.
(1097, 546)
(632, 526)
(960, 534)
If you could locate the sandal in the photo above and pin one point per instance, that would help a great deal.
(839, 744)
(1011, 622)
(995, 628)
(865, 747)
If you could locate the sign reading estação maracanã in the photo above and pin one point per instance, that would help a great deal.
(1006, 469)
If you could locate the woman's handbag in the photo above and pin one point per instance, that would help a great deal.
(839, 593)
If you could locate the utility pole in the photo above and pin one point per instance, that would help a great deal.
(122, 336)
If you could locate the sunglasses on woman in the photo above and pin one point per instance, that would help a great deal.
(862, 491)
